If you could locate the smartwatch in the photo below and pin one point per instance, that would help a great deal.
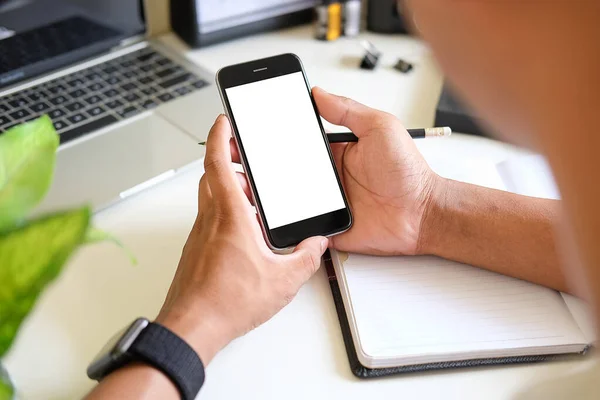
(153, 344)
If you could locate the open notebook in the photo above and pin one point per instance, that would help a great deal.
(403, 314)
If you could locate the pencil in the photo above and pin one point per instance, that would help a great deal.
(345, 137)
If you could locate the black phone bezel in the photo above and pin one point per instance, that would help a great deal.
(322, 225)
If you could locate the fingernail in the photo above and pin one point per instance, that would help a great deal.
(324, 243)
(219, 118)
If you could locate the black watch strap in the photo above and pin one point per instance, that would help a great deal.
(164, 350)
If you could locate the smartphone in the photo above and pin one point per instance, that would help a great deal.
(284, 150)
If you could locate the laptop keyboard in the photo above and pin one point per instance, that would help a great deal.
(101, 95)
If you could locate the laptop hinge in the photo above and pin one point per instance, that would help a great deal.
(158, 17)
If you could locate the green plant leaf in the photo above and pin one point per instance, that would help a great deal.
(6, 388)
(27, 157)
(6, 391)
(95, 235)
(30, 258)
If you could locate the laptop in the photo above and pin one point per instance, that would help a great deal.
(129, 109)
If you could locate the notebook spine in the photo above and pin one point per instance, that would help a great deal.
(356, 367)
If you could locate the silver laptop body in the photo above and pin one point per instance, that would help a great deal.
(108, 154)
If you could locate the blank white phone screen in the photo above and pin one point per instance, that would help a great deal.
(285, 150)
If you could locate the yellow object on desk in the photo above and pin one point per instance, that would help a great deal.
(329, 21)
(335, 21)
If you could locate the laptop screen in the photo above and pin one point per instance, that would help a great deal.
(39, 36)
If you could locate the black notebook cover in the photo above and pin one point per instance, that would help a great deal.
(361, 371)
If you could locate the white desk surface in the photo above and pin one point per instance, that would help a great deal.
(299, 354)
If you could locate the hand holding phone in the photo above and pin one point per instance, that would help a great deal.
(226, 269)
(284, 150)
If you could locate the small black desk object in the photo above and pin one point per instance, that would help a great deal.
(371, 57)
(403, 66)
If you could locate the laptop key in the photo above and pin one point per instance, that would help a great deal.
(20, 102)
(20, 114)
(4, 120)
(128, 74)
(95, 87)
(149, 104)
(56, 113)
(109, 70)
(58, 100)
(147, 68)
(75, 82)
(4, 108)
(128, 112)
(113, 80)
(39, 107)
(92, 76)
(131, 97)
(167, 72)
(77, 93)
(74, 106)
(146, 80)
(93, 99)
(37, 95)
(147, 56)
(183, 90)
(96, 111)
(199, 84)
(114, 104)
(111, 93)
(165, 97)
(59, 124)
(129, 86)
(149, 91)
(174, 81)
(163, 61)
(77, 118)
(54, 89)
(81, 130)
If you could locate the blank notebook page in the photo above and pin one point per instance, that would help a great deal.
(408, 307)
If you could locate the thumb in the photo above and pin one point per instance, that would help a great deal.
(346, 112)
(306, 258)
(219, 172)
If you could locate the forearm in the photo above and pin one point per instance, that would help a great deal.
(495, 230)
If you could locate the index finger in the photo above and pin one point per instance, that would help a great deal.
(345, 112)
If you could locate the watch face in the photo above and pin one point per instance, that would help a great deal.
(113, 354)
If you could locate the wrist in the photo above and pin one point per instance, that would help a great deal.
(200, 326)
(434, 217)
